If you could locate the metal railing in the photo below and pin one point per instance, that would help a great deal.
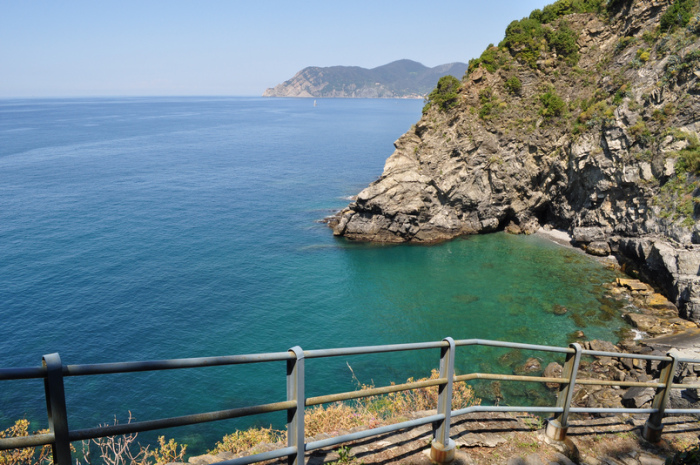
(53, 372)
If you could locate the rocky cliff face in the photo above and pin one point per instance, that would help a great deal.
(597, 142)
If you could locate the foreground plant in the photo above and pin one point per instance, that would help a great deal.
(27, 456)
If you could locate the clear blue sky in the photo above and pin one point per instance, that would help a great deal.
(214, 47)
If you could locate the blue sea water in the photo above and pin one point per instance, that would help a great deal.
(151, 228)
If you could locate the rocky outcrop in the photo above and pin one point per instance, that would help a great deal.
(399, 79)
(602, 165)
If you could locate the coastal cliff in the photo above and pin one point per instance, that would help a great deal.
(585, 118)
(398, 79)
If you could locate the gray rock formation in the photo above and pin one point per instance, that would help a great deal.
(604, 168)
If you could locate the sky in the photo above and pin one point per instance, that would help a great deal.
(228, 48)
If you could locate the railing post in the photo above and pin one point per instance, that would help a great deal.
(442, 449)
(558, 426)
(295, 416)
(56, 409)
(654, 425)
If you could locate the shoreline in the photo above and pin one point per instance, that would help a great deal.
(648, 302)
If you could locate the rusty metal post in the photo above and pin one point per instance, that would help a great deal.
(442, 449)
(295, 416)
(56, 409)
(558, 426)
(654, 425)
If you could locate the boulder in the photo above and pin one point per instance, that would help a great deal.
(559, 309)
(642, 322)
(602, 346)
(636, 397)
(532, 366)
(587, 235)
(598, 248)
(553, 370)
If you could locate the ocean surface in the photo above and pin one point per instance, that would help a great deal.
(153, 228)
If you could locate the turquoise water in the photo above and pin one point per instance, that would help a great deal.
(138, 229)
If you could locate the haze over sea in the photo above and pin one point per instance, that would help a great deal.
(152, 228)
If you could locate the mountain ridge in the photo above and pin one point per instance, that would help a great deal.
(398, 79)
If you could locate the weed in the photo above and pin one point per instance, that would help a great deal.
(344, 456)
(240, 441)
(167, 452)
(534, 422)
(28, 456)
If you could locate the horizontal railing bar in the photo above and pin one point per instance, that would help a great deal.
(501, 377)
(22, 373)
(374, 391)
(373, 349)
(149, 425)
(685, 386)
(688, 360)
(505, 408)
(601, 382)
(599, 353)
(20, 442)
(155, 365)
(682, 411)
(612, 410)
(261, 457)
(373, 432)
(513, 345)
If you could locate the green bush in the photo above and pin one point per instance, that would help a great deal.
(491, 59)
(525, 39)
(513, 85)
(677, 15)
(444, 95)
(561, 8)
(564, 39)
(689, 161)
(552, 104)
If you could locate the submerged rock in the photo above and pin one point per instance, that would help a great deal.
(532, 366)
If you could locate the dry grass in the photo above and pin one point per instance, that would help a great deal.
(399, 404)
(28, 456)
(240, 441)
(368, 412)
(116, 450)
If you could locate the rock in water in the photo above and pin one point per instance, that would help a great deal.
(532, 366)
(553, 370)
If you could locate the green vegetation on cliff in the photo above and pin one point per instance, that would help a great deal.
(444, 96)
(534, 79)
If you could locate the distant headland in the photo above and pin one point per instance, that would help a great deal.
(399, 79)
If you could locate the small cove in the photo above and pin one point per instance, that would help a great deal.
(138, 229)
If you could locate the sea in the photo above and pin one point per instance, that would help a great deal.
(156, 228)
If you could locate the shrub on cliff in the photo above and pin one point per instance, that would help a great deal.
(525, 39)
(552, 104)
(689, 159)
(563, 40)
(444, 95)
(677, 15)
(513, 85)
(561, 8)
